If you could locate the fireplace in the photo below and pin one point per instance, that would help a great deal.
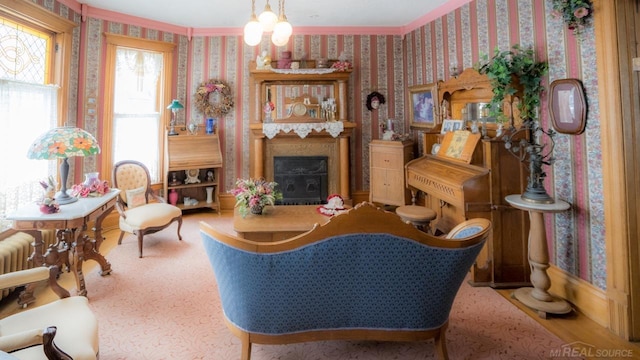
(333, 148)
(303, 180)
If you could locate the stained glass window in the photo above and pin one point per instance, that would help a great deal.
(23, 53)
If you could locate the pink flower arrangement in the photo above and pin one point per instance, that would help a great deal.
(342, 65)
(576, 13)
(94, 189)
(251, 193)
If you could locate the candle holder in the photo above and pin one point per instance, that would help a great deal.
(526, 144)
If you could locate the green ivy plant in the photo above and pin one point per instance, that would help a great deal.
(506, 69)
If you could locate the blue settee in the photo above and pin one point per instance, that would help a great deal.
(365, 275)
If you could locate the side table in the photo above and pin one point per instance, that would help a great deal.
(538, 297)
(73, 246)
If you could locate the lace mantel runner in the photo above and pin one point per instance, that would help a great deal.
(334, 128)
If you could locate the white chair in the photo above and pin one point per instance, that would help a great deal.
(29, 334)
(140, 215)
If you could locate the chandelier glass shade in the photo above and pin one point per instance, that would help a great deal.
(283, 28)
(268, 18)
(268, 22)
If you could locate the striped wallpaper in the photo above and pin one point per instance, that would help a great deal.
(389, 64)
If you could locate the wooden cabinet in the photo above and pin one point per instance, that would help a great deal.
(387, 160)
(193, 164)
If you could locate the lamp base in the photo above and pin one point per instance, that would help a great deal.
(63, 198)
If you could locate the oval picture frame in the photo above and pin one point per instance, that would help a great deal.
(567, 106)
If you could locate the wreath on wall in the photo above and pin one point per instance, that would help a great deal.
(213, 98)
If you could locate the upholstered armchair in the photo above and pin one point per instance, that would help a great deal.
(29, 334)
(141, 210)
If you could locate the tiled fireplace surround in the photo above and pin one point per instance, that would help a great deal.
(321, 143)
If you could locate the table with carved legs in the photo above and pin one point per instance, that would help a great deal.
(538, 297)
(72, 246)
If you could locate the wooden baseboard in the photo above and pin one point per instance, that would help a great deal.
(586, 298)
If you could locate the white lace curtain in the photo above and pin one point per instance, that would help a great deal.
(136, 120)
(26, 111)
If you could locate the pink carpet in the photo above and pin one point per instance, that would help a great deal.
(166, 306)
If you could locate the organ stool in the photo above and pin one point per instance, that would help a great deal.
(418, 216)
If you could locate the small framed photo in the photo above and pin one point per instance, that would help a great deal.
(567, 106)
(423, 100)
(451, 125)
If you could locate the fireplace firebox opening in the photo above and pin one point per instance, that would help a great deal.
(302, 180)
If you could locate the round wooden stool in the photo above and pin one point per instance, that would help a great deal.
(418, 216)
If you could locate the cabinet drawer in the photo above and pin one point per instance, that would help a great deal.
(391, 160)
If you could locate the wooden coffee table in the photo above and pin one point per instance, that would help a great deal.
(278, 222)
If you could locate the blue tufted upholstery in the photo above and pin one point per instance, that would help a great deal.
(356, 278)
(352, 281)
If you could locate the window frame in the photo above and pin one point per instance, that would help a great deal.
(113, 41)
(35, 16)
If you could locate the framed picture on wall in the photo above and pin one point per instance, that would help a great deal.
(423, 102)
(567, 106)
(451, 125)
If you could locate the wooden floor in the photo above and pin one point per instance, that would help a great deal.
(574, 327)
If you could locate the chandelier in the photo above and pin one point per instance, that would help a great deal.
(267, 22)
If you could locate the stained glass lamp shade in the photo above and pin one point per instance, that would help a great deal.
(63, 142)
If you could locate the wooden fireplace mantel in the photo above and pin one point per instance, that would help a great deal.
(260, 166)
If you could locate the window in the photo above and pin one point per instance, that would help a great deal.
(30, 96)
(135, 116)
(136, 113)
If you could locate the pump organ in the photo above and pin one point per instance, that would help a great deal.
(459, 190)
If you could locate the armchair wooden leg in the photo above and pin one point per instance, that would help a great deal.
(140, 236)
(120, 238)
(179, 227)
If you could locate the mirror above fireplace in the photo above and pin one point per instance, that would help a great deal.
(298, 97)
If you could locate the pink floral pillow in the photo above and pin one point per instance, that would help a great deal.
(136, 197)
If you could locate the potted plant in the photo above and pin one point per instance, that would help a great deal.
(252, 195)
(507, 70)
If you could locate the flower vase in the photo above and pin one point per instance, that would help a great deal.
(209, 190)
(90, 178)
(256, 209)
(173, 197)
